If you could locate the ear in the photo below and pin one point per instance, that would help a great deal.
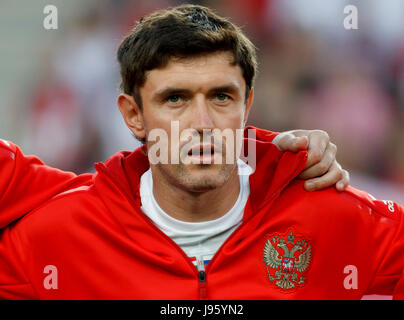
(132, 115)
(248, 105)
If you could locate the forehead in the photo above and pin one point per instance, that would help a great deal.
(199, 72)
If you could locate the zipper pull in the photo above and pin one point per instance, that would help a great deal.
(201, 269)
(202, 278)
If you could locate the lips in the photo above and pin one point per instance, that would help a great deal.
(202, 150)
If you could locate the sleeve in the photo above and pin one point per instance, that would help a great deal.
(391, 270)
(387, 245)
(25, 182)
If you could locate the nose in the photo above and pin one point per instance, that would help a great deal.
(201, 116)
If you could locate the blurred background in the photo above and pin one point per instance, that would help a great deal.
(58, 88)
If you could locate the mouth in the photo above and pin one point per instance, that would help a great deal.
(202, 154)
(202, 150)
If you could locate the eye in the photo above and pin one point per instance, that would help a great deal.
(222, 98)
(175, 98)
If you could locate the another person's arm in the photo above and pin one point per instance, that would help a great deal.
(25, 182)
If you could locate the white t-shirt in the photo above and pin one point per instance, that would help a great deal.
(199, 240)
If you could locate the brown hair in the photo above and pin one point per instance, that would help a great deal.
(183, 31)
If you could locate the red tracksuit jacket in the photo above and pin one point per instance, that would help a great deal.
(292, 244)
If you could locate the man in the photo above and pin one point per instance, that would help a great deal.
(202, 224)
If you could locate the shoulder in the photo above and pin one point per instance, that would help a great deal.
(10, 152)
(385, 208)
(8, 157)
(27, 169)
(350, 204)
(7, 146)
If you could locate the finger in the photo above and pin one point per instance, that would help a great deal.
(318, 142)
(323, 166)
(288, 142)
(344, 182)
(334, 175)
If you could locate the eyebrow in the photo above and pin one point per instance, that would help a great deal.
(160, 95)
(166, 92)
(229, 88)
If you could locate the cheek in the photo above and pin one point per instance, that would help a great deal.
(156, 121)
(234, 121)
(234, 117)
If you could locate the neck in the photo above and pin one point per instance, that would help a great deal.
(196, 206)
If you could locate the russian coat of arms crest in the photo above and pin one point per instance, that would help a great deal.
(286, 259)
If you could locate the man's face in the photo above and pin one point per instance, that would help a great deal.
(202, 93)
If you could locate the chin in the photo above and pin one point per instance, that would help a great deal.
(206, 178)
(197, 178)
(202, 185)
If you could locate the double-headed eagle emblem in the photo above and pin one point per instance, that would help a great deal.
(286, 260)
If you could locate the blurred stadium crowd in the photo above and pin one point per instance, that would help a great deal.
(313, 74)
